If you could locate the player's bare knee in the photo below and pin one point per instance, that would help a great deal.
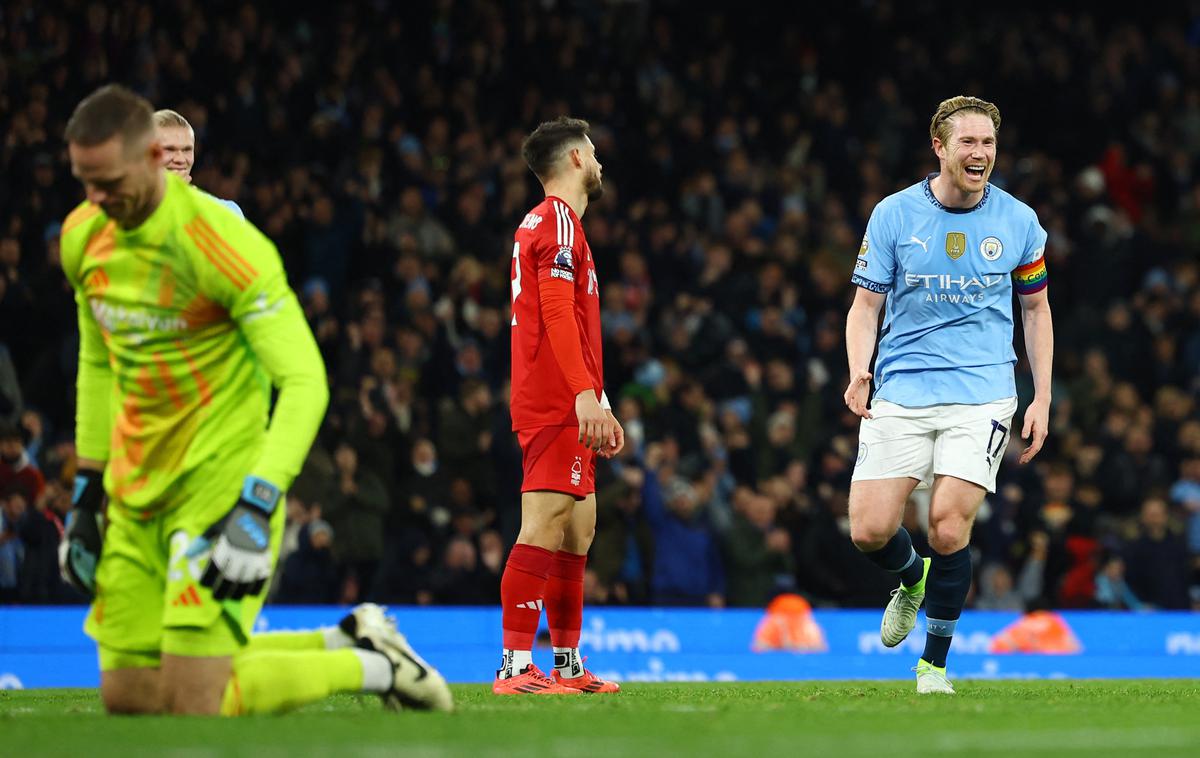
(195, 685)
(119, 703)
(194, 700)
(869, 536)
(125, 701)
(193, 707)
(949, 535)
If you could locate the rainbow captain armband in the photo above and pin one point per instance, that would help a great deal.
(1031, 277)
(260, 493)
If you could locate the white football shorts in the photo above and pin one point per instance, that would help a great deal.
(963, 441)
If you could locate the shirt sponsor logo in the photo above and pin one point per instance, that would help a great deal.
(118, 318)
(962, 289)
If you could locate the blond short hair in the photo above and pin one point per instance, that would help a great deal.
(940, 125)
(167, 118)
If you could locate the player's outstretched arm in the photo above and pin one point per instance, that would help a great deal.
(1039, 347)
(862, 326)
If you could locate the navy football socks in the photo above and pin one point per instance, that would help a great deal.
(946, 590)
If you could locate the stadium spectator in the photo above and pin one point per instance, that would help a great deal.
(996, 591)
(17, 468)
(1112, 591)
(758, 555)
(356, 505)
(305, 556)
(687, 568)
(1157, 568)
(14, 507)
(622, 554)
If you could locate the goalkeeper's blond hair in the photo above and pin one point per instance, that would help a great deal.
(940, 126)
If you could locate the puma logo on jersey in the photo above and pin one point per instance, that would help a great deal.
(923, 243)
(531, 221)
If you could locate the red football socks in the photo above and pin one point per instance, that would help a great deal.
(564, 598)
(522, 591)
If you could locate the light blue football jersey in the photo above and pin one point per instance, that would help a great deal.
(948, 274)
(228, 204)
(231, 206)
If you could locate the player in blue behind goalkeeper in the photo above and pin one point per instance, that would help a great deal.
(944, 255)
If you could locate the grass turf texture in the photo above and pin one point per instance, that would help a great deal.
(757, 719)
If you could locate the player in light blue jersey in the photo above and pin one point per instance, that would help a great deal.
(943, 256)
(178, 140)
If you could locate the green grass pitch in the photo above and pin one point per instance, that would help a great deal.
(840, 719)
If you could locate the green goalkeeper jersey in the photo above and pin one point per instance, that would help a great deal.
(185, 322)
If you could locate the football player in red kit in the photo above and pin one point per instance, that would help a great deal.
(560, 414)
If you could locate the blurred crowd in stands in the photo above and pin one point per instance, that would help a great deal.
(378, 145)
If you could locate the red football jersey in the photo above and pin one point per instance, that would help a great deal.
(549, 245)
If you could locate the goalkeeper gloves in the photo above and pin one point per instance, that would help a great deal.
(240, 561)
(79, 550)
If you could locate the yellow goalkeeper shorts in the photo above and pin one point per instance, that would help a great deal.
(148, 595)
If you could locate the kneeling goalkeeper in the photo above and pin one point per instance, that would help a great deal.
(186, 321)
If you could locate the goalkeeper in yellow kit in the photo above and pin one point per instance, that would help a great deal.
(186, 321)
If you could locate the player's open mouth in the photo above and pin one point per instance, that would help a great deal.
(975, 172)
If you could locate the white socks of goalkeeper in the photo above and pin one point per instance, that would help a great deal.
(335, 638)
(378, 674)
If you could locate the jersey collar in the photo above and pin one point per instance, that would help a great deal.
(987, 191)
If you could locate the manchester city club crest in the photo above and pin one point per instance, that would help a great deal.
(991, 248)
(956, 245)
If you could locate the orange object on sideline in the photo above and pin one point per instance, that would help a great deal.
(1037, 632)
(789, 625)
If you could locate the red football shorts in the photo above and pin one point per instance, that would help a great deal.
(555, 461)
